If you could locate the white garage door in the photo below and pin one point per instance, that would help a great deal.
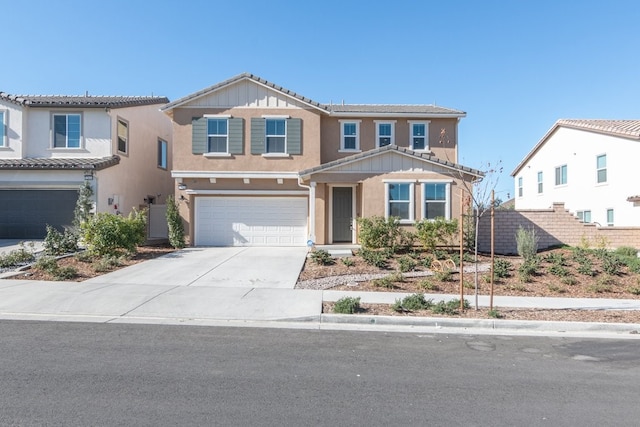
(250, 221)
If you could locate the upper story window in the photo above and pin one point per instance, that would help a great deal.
(540, 188)
(519, 186)
(436, 200)
(162, 154)
(217, 135)
(3, 129)
(350, 135)
(601, 168)
(123, 136)
(399, 200)
(419, 134)
(561, 175)
(385, 133)
(67, 130)
(273, 136)
(276, 135)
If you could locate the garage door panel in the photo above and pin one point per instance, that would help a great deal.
(24, 214)
(251, 221)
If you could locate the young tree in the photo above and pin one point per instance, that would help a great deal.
(84, 204)
(174, 221)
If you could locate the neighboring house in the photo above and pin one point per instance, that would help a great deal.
(589, 165)
(257, 164)
(50, 145)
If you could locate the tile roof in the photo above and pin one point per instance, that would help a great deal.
(621, 128)
(84, 101)
(336, 109)
(57, 163)
(380, 150)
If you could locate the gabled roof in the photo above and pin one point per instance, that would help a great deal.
(347, 110)
(82, 101)
(381, 150)
(629, 129)
(49, 163)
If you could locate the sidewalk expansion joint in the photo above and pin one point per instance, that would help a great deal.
(215, 266)
(148, 300)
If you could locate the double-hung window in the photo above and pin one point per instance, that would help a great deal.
(561, 175)
(520, 190)
(419, 135)
(217, 135)
(540, 188)
(399, 198)
(385, 134)
(162, 154)
(66, 130)
(610, 217)
(3, 131)
(601, 168)
(436, 200)
(349, 135)
(276, 135)
(123, 136)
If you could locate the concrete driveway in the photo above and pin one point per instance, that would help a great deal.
(232, 267)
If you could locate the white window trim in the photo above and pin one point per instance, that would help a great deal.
(540, 182)
(393, 130)
(520, 186)
(613, 214)
(554, 175)
(217, 153)
(426, 132)
(126, 122)
(412, 204)
(276, 116)
(266, 135)
(604, 169)
(166, 144)
(580, 215)
(52, 130)
(4, 139)
(342, 136)
(447, 202)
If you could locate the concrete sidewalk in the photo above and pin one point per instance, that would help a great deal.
(95, 301)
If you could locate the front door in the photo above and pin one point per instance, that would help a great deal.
(342, 214)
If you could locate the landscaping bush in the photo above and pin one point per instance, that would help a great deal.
(451, 307)
(502, 268)
(406, 263)
(428, 285)
(17, 257)
(527, 243)
(626, 251)
(65, 273)
(376, 232)
(412, 303)
(347, 305)
(109, 234)
(47, 264)
(611, 264)
(57, 243)
(107, 263)
(432, 233)
(175, 224)
(348, 261)
(321, 257)
(374, 258)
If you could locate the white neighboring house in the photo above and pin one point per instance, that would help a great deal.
(589, 165)
(50, 145)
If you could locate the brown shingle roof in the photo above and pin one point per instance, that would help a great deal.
(49, 163)
(393, 109)
(83, 101)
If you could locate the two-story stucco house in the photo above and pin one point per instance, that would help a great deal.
(50, 145)
(258, 164)
(590, 166)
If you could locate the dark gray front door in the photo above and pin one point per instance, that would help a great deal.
(24, 214)
(342, 214)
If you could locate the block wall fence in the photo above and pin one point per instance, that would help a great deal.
(555, 226)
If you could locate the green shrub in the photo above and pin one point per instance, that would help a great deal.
(529, 268)
(527, 243)
(383, 282)
(347, 305)
(17, 257)
(57, 243)
(611, 264)
(502, 268)
(635, 290)
(633, 264)
(585, 266)
(348, 261)
(374, 258)
(47, 264)
(599, 288)
(406, 263)
(451, 307)
(109, 234)
(558, 270)
(65, 273)
(495, 314)
(426, 261)
(412, 302)
(443, 276)
(175, 224)
(569, 280)
(555, 288)
(556, 258)
(432, 233)
(428, 285)
(376, 232)
(107, 263)
(627, 251)
(321, 257)
(84, 256)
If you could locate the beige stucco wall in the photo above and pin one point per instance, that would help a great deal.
(137, 175)
(186, 161)
(446, 150)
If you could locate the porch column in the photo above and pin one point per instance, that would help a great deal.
(312, 211)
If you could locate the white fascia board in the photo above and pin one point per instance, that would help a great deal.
(240, 174)
(400, 115)
(248, 192)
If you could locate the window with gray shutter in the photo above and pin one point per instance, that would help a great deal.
(257, 135)
(199, 135)
(294, 136)
(236, 136)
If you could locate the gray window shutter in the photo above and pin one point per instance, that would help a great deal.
(236, 136)
(257, 135)
(294, 136)
(199, 135)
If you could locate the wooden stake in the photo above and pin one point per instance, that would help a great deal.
(462, 207)
(492, 248)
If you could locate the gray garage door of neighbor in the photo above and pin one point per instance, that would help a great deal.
(24, 214)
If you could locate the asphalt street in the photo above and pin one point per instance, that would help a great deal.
(79, 374)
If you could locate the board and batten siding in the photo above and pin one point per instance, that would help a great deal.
(247, 94)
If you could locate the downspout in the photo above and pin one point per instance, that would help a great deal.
(312, 209)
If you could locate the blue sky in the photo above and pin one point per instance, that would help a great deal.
(514, 66)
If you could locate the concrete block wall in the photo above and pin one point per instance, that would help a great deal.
(555, 226)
